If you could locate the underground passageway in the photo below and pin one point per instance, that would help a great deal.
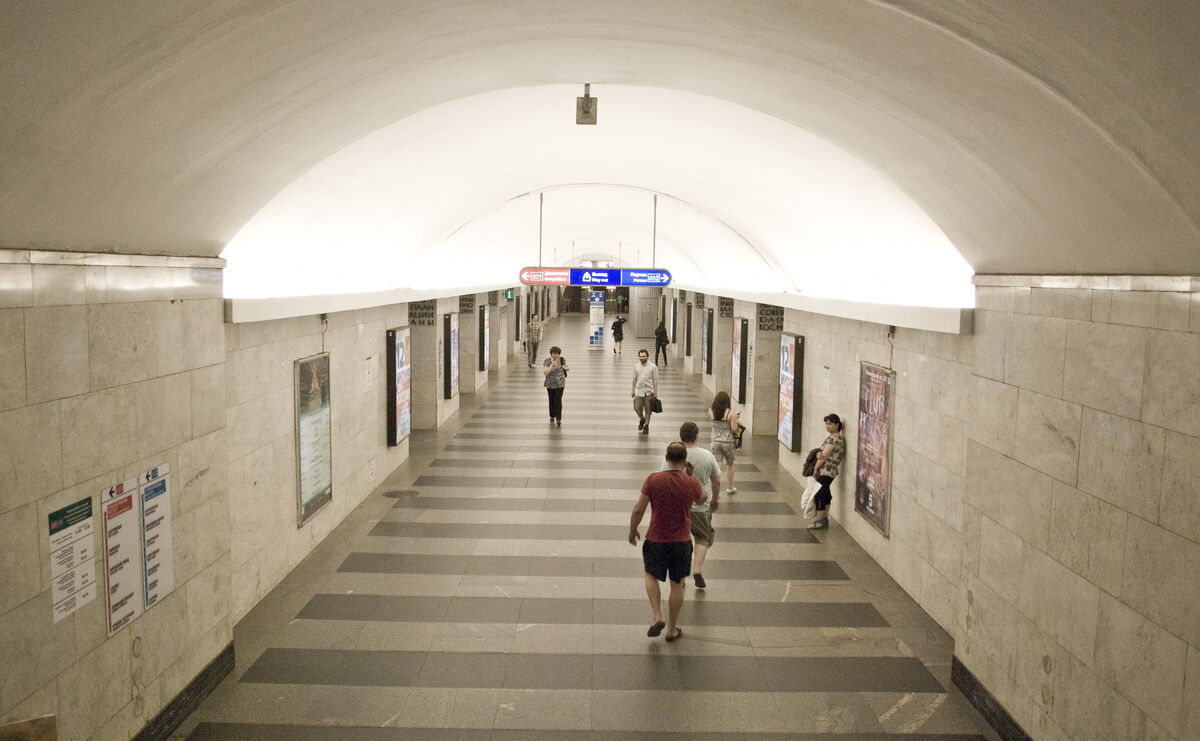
(486, 591)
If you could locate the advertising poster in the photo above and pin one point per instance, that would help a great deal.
(737, 390)
(791, 372)
(485, 338)
(314, 450)
(399, 370)
(122, 554)
(872, 484)
(706, 339)
(687, 333)
(158, 561)
(72, 558)
(454, 354)
(674, 321)
(502, 344)
(596, 320)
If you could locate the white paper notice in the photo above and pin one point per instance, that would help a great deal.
(157, 553)
(122, 554)
(72, 558)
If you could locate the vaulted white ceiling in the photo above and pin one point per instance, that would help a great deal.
(1037, 137)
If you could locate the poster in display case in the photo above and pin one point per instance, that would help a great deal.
(450, 357)
(791, 388)
(706, 340)
(314, 432)
(741, 357)
(399, 369)
(485, 338)
(872, 484)
(687, 332)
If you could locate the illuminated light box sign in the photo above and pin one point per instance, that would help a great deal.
(532, 276)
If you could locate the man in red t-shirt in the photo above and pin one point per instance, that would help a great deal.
(668, 547)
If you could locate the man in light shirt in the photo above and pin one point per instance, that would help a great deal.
(533, 338)
(645, 388)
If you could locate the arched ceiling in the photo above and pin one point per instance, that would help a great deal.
(1040, 137)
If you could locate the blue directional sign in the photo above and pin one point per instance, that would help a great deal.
(595, 277)
(639, 277)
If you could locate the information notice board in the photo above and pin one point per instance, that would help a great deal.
(72, 558)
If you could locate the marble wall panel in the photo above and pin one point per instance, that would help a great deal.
(1048, 432)
(1093, 709)
(1120, 461)
(914, 376)
(252, 373)
(950, 388)
(139, 284)
(1101, 306)
(1000, 565)
(1064, 303)
(1132, 308)
(994, 298)
(20, 557)
(992, 414)
(1035, 353)
(1171, 310)
(1104, 367)
(124, 342)
(41, 647)
(207, 399)
(990, 343)
(1087, 535)
(202, 536)
(86, 704)
(31, 457)
(164, 414)
(1191, 697)
(156, 635)
(1009, 492)
(208, 596)
(1180, 502)
(16, 286)
(56, 352)
(12, 358)
(1061, 602)
(1194, 312)
(1142, 661)
(203, 333)
(259, 422)
(203, 471)
(58, 285)
(972, 538)
(1163, 586)
(1172, 397)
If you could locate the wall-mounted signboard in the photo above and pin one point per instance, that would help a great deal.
(485, 338)
(872, 486)
(540, 276)
(314, 446)
(706, 340)
(450, 377)
(741, 355)
(399, 370)
(791, 387)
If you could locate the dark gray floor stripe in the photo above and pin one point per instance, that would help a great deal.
(730, 505)
(574, 446)
(559, 465)
(476, 531)
(559, 482)
(714, 569)
(264, 732)
(647, 673)
(545, 611)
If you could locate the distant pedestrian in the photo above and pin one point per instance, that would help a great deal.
(618, 331)
(555, 369)
(704, 468)
(667, 552)
(660, 342)
(829, 461)
(645, 389)
(723, 443)
(533, 338)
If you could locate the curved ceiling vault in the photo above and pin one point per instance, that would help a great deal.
(1043, 138)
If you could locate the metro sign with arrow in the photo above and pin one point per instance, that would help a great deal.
(539, 276)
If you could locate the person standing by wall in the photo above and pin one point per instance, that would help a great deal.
(533, 338)
(667, 552)
(704, 468)
(645, 388)
(724, 421)
(660, 342)
(555, 369)
(618, 330)
(829, 461)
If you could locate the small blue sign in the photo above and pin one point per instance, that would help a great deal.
(639, 277)
(595, 277)
(596, 297)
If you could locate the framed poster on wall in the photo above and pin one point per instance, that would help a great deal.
(872, 484)
(399, 370)
(314, 432)
(450, 359)
(741, 340)
(687, 333)
(791, 388)
(706, 340)
(674, 321)
(485, 338)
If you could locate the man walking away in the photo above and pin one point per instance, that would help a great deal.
(667, 552)
(704, 468)
(645, 388)
(533, 338)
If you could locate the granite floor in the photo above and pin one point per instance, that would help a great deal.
(486, 591)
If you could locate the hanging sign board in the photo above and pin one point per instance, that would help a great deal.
(538, 276)
(123, 561)
(157, 541)
(72, 558)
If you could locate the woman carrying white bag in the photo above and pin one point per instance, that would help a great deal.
(826, 468)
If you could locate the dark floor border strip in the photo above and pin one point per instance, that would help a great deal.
(986, 703)
(527, 531)
(275, 732)
(501, 464)
(189, 698)
(729, 506)
(585, 482)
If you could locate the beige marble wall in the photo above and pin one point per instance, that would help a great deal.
(1082, 556)
(266, 544)
(109, 365)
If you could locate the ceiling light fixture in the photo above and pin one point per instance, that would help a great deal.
(585, 107)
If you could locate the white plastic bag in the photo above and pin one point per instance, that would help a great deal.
(808, 500)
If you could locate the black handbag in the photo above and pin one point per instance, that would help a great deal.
(655, 405)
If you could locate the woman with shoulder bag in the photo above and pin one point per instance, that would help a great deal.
(829, 461)
(723, 443)
(555, 369)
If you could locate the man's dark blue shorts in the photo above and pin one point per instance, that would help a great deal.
(663, 559)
